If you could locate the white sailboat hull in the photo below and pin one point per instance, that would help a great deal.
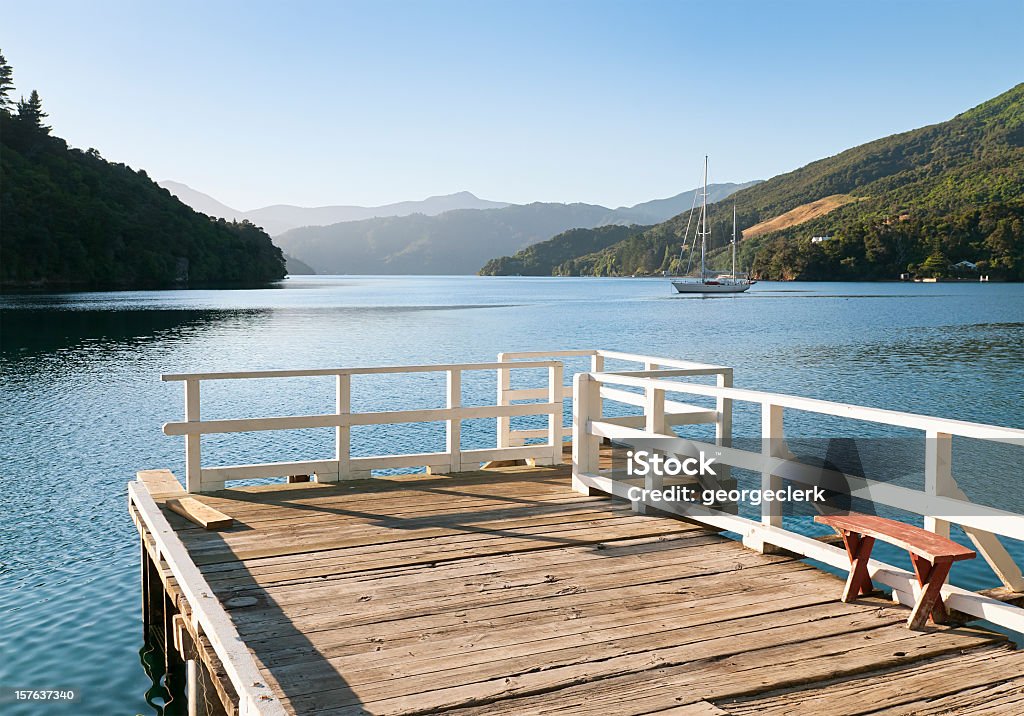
(701, 287)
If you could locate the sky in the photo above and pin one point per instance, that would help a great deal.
(613, 103)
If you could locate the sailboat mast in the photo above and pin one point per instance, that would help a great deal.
(704, 221)
(734, 241)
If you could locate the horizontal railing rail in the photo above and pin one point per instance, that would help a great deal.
(364, 370)
(331, 420)
(962, 428)
(941, 502)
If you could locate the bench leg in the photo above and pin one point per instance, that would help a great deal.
(931, 577)
(858, 548)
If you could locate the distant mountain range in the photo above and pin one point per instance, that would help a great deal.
(452, 234)
(455, 242)
(459, 242)
(279, 218)
(653, 212)
(933, 202)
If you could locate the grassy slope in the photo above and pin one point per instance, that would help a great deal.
(797, 216)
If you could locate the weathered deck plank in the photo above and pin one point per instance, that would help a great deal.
(504, 592)
(952, 683)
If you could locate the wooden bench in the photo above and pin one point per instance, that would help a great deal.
(931, 554)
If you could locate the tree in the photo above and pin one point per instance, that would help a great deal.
(32, 112)
(6, 83)
(936, 265)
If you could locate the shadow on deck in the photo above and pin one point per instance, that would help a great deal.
(503, 591)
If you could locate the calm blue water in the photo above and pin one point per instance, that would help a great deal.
(82, 404)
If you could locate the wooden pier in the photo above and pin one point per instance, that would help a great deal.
(534, 589)
(503, 591)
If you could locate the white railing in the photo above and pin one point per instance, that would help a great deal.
(940, 503)
(510, 445)
(675, 413)
(199, 478)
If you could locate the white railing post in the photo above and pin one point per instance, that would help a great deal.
(556, 395)
(654, 422)
(662, 427)
(343, 433)
(193, 458)
(939, 482)
(723, 406)
(597, 366)
(586, 448)
(938, 474)
(453, 430)
(504, 421)
(723, 424)
(772, 446)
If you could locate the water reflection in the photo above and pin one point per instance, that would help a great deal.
(947, 348)
(39, 331)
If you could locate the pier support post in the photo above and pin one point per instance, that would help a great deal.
(145, 569)
(192, 683)
(176, 678)
(203, 699)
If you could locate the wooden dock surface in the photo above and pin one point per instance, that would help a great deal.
(504, 592)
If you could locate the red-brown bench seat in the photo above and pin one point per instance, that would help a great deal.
(932, 555)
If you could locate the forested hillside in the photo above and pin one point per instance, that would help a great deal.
(556, 256)
(920, 201)
(70, 218)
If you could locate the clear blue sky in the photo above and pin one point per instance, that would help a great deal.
(606, 102)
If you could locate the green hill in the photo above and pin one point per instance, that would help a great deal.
(948, 192)
(555, 257)
(71, 218)
(297, 268)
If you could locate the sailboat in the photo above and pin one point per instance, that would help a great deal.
(704, 284)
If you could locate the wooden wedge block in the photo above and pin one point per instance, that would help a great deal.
(203, 515)
(502, 463)
(160, 483)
